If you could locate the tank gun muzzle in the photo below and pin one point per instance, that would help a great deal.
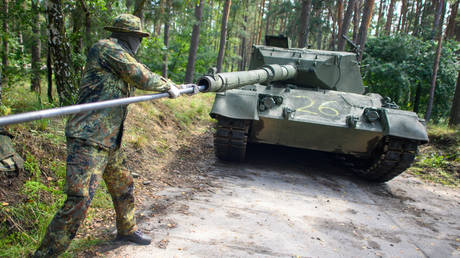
(232, 80)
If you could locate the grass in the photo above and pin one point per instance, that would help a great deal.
(439, 161)
(24, 223)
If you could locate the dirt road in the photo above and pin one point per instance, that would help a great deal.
(288, 203)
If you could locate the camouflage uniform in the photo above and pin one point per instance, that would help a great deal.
(10, 162)
(93, 143)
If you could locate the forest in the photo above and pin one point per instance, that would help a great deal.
(408, 49)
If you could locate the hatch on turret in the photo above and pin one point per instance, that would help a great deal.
(277, 41)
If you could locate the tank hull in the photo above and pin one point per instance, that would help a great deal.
(320, 120)
(314, 136)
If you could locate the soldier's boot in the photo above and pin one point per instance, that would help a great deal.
(64, 226)
(135, 237)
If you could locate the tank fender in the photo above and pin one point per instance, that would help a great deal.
(237, 104)
(404, 124)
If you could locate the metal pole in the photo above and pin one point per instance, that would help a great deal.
(48, 113)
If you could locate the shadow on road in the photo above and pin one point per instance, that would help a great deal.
(309, 162)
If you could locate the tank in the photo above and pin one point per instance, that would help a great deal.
(316, 100)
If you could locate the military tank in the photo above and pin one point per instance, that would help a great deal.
(312, 99)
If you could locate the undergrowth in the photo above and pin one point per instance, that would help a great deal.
(24, 221)
(439, 161)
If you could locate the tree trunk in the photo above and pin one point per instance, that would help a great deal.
(5, 50)
(253, 37)
(402, 18)
(457, 30)
(87, 40)
(356, 19)
(437, 18)
(379, 19)
(36, 48)
(454, 119)
(49, 75)
(304, 23)
(367, 15)
(87, 29)
(442, 4)
(450, 30)
(417, 18)
(428, 10)
(139, 9)
(223, 35)
(409, 18)
(20, 29)
(157, 29)
(259, 31)
(390, 17)
(194, 42)
(164, 71)
(345, 25)
(63, 71)
(418, 93)
(243, 38)
(334, 26)
(319, 34)
(339, 17)
(267, 22)
(76, 27)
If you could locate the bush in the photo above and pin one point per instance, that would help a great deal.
(394, 66)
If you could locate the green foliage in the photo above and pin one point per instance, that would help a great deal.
(439, 160)
(26, 222)
(394, 66)
(435, 160)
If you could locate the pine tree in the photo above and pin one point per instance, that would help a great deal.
(194, 42)
(304, 23)
(36, 48)
(223, 35)
(345, 25)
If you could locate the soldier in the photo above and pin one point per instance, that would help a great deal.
(94, 138)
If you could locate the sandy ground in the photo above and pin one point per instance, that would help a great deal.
(292, 203)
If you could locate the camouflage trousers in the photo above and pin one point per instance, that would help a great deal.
(86, 165)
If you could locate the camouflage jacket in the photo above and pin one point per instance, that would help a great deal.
(111, 72)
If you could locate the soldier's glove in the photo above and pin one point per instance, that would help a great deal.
(173, 91)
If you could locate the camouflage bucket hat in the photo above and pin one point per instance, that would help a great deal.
(127, 23)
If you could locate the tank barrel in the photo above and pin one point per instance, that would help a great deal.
(231, 80)
(48, 113)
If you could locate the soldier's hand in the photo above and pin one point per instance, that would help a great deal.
(173, 91)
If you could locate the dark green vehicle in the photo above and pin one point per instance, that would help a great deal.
(312, 99)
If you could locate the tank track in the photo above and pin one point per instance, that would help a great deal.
(231, 138)
(390, 159)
